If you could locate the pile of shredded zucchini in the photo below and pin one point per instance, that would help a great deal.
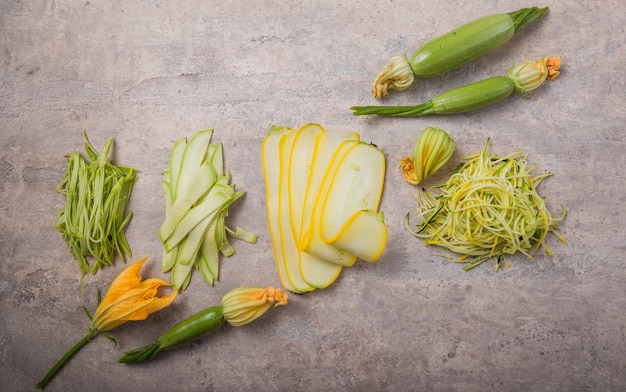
(489, 208)
(93, 219)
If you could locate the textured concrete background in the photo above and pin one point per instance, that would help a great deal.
(149, 72)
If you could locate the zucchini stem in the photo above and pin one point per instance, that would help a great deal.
(525, 16)
(396, 111)
(142, 354)
(61, 362)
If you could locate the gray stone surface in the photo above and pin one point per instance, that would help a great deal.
(149, 72)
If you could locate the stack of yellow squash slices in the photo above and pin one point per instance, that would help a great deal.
(323, 189)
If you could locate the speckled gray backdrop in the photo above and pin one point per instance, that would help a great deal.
(149, 72)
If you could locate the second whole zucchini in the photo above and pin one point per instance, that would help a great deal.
(522, 78)
(454, 49)
(462, 99)
(239, 307)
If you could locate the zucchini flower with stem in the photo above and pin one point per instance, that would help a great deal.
(128, 299)
(239, 307)
(522, 78)
(433, 149)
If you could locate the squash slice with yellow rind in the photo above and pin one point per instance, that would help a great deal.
(364, 235)
(356, 187)
(271, 174)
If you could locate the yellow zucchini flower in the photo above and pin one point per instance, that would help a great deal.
(531, 74)
(397, 75)
(433, 149)
(245, 304)
(128, 299)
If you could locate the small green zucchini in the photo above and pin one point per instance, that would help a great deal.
(462, 99)
(191, 328)
(454, 49)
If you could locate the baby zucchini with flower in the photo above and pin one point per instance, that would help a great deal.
(522, 78)
(454, 49)
(239, 307)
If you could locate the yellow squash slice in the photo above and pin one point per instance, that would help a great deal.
(271, 174)
(315, 162)
(364, 235)
(291, 253)
(356, 186)
(312, 241)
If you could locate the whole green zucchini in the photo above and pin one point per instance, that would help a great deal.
(523, 78)
(454, 49)
(190, 328)
(462, 45)
(474, 96)
(239, 307)
(461, 99)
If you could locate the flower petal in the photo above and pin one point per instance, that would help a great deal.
(128, 279)
(553, 64)
(408, 170)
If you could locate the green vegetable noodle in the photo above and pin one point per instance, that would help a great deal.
(489, 208)
(185, 331)
(454, 49)
(522, 78)
(93, 219)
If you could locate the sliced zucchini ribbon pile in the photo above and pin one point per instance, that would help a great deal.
(323, 192)
(197, 192)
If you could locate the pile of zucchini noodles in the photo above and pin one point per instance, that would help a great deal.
(488, 208)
